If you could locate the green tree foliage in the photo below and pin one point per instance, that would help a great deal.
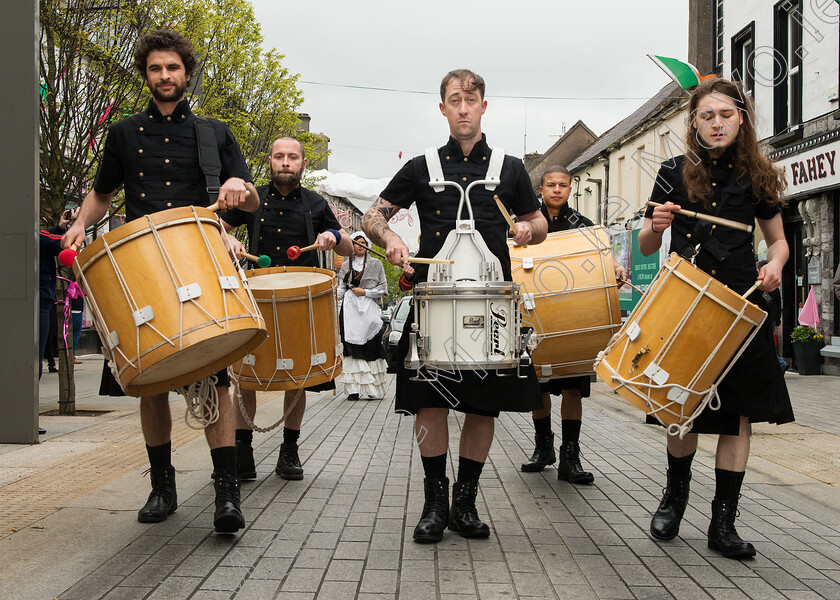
(392, 275)
(88, 81)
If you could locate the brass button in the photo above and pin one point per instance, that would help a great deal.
(279, 230)
(265, 203)
(165, 139)
(731, 165)
(714, 226)
(483, 158)
(463, 178)
(714, 204)
(278, 247)
(168, 118)
(262, 220)
(465, 159)
(281, 213)
(143, 195)
(168, 204)
(166, 160)
(688, 235)
(140, 151)
(141, 173)
(180, 116)
(437, 233)
(260, 237)
(168, 183)
(141, 129)
(437, 212)
(150, 115)
(714, 162)
(447, 158)
(714, 184)
(714, 272)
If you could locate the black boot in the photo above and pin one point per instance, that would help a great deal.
(163, 501)
(228, 516)
(435, 511)
(543, 453)
(722, 534)
(665, 524)
(288, 463)
(569, 467)
(463, 516)
(245, 467)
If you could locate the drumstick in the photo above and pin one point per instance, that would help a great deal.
(710, 218)
(746, 294)
(68, 255)
(507, 216)
(623, 281)
(294, 252)
(215, 206)
(262, 260)
(411, 259)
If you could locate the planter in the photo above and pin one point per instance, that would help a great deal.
(807, 355)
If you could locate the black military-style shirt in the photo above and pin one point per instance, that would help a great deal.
(732, 198)
(437, 209)
(283, 224)
(567, 218)
(156, 157)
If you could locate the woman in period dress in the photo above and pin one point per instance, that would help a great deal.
(361, 286)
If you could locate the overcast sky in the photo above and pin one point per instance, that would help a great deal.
(557, 48)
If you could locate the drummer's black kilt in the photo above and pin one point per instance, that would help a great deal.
(555, 387)
(485, 393)
(109, 386)
(754, 387)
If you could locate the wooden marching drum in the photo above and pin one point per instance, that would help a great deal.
(167, 301)
(678, 343)
(569, 298)
(303, 346)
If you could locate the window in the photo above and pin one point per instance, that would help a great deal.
(787, 42)
(717, 42)
(743, 58)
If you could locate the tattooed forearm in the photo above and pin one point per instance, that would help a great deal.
(375, 220)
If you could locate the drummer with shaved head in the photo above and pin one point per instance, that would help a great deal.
(465, 158)
(288, 215)
(153, 157)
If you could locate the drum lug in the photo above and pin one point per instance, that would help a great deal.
(339, 349)
(412, 360)
(677, 395)
(188, 292)
(656, 374)
(546, 370)
(228, 282)
(527, 263)
(113, 340)
(318, 359)
(285, 364)
(144, 315)
(633, 331)
(528, 301)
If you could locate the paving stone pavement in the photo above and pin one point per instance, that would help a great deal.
(345, 530)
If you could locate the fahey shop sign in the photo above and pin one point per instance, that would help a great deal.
(812, 170)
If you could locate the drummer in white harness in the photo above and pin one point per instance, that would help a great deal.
(480, 337)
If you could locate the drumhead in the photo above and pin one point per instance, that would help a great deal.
(286, 281)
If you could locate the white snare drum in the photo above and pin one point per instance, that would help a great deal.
(466, 324)
(465, 316)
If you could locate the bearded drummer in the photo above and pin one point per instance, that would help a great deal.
(463, 159)
(555, 188)
(288, 215)
(729, 177)
(154, 154)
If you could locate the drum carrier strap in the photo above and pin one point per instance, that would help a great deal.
(307, 216)
(493, 176)
(702, 235)
(208, 157)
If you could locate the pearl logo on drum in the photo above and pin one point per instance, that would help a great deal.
(498, 322)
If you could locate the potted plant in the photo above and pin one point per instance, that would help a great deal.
(807, 343)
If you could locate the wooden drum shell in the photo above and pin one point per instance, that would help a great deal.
(570, 299)
(691, 334)
(141, 264)
(291, 329)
